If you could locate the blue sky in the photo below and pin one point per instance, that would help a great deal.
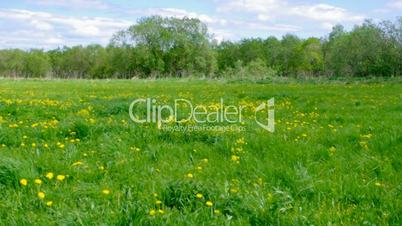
(52, 23)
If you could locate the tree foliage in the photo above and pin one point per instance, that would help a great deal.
(171, 47)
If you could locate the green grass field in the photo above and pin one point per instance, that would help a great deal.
(70, 155)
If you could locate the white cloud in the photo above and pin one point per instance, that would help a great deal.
(179, 13)
(273, 10)
(395, 4)
(324, 12)
(222, 34)
(45, 30)
(258, 26)
(41, 25)
(222, 28)
(261, 6)
(75, 4)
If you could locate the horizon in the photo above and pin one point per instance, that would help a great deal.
(46, 24)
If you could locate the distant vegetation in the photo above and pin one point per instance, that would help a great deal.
(169, 47)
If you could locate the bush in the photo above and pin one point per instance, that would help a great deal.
(255, 70)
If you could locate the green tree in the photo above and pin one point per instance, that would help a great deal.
(36, 64)
(171, 46)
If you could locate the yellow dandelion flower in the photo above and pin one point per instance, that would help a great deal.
(209, 203)
(41, 195)
(199, 196)
(24, 182)
(106, 191)
(77, 163)
(161, 211)
(49, 175)
(152, 212)
(217, 212)
(38, 181)
(49, 203)
(235, 158)
(190, 175)
(378, 184)
(158, 202)
(234, 190)
(60, 177)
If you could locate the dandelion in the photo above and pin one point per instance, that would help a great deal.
(217, 212)
(77, 163)
(24, 182)
(49, 203)
(363, 144)
(190, 175)
(235, 158)
(152, 212)
(106, 191)
(332, 150)
(199, 196)
(41, 195)
(234, 190)
(49, 175)
(33, 145)
(368, 136)
(378, 184)
(158, 202)
(209, 203)
(38, 181)
(60, 177)
(160, 211)
(240, 141)
(13, 126)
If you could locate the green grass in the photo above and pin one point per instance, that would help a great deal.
(335, 157)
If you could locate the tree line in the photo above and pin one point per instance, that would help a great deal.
(171, 47)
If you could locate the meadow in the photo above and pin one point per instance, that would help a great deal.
(70, 155)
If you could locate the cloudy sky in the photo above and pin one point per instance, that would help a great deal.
(51, 23)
